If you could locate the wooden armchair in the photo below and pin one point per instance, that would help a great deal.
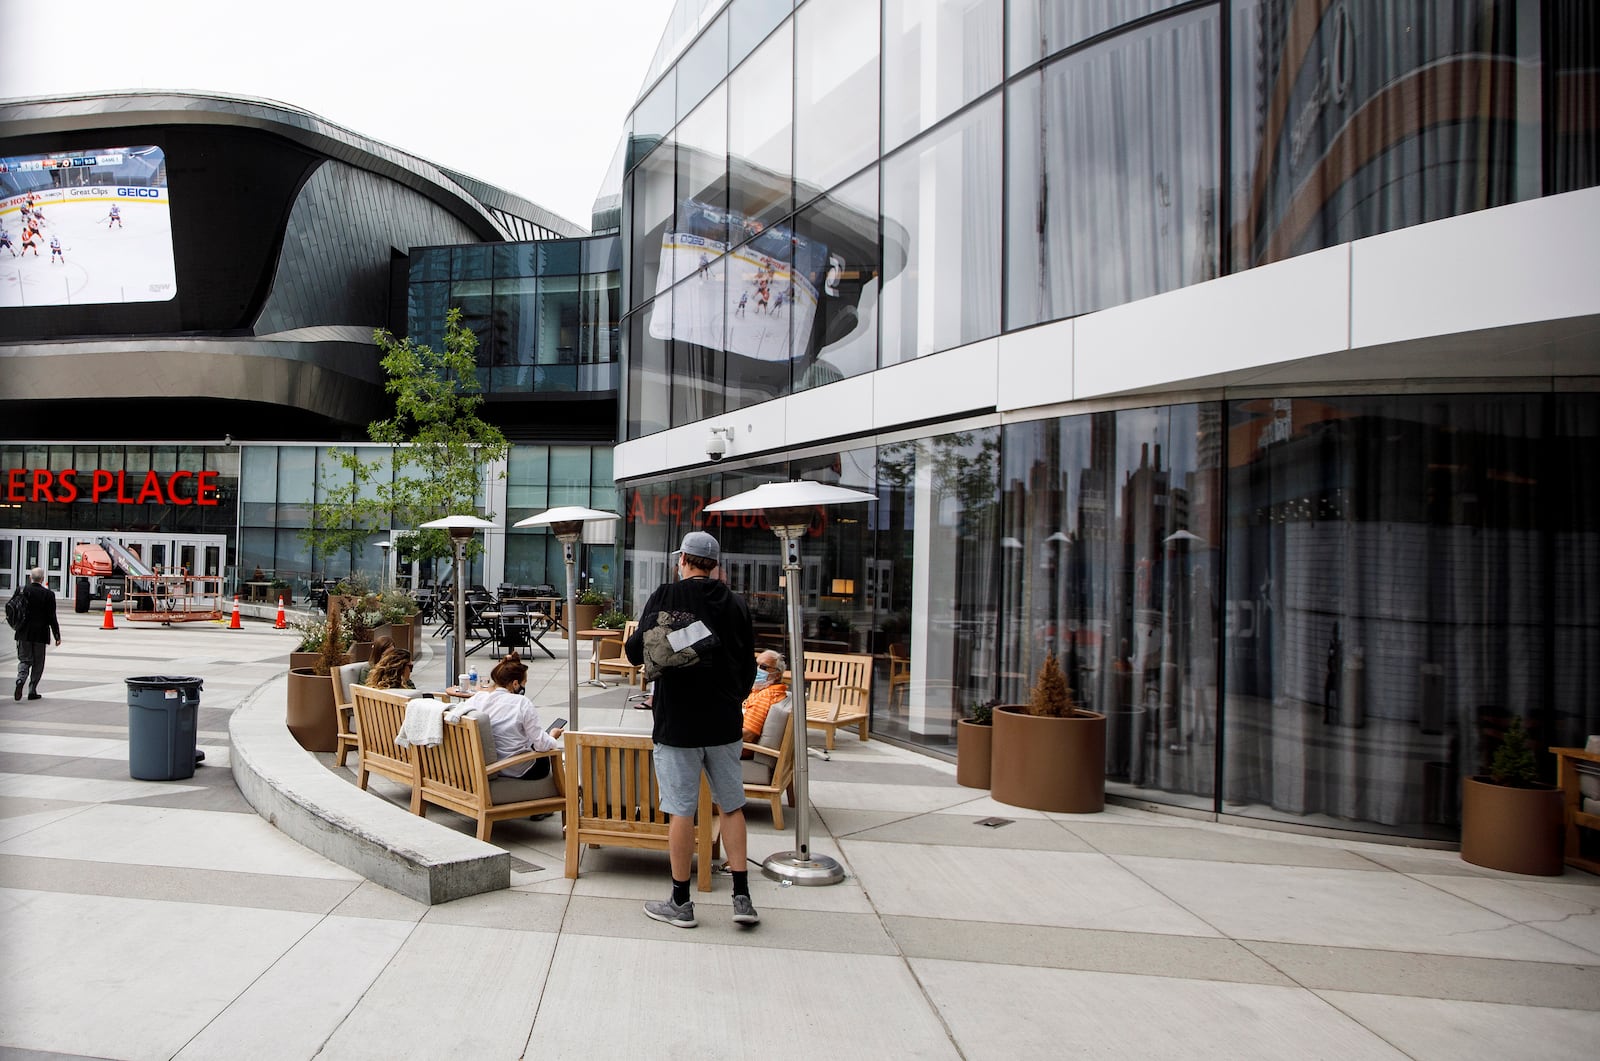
(843, 699)
(609, 658)
(899, 675)
(613, 801)
(344, 709)
(1578, 775)
(769, 773)
(379, 714)
(457, 774)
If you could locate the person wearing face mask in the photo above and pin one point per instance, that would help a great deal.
(769, 689)
(513, 719)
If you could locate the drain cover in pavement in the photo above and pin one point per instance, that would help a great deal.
(994, 823)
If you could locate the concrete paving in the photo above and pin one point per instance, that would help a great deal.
(169, 920)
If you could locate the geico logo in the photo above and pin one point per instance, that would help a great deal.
(140, 193)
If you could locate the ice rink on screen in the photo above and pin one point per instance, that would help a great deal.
(128, 264)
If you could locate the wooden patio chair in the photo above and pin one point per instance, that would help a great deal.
(379, 714)
(609, 658)
(769, 773)
(458, 774)
(613, 800)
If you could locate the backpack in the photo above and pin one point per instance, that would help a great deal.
(17, 609)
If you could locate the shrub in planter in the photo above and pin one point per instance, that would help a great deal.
(1510, 820)
(975, 747)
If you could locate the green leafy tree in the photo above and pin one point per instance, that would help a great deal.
(441, 446)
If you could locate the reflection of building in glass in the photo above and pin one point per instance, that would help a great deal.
(1209, 348)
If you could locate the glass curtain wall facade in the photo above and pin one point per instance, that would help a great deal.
(812, 196)
(1299, 609)
(546, 314)
(1310, 609)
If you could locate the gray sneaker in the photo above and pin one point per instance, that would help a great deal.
(744, 911)
(669, 912)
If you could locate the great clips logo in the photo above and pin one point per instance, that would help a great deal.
(104, 487)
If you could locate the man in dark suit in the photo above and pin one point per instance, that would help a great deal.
(35, 633)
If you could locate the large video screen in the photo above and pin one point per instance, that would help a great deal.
(767, 291)
(89, 227)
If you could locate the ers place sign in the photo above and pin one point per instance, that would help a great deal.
(108, 488)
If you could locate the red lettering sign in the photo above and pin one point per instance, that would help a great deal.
(105, 486)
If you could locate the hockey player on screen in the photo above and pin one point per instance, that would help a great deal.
(55, 250)
(29, 236)
(5, 241)
(116, 216)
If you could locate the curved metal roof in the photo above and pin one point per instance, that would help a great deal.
(475, 202)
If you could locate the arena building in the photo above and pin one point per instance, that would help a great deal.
(182, 372)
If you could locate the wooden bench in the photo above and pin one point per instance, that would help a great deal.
(845, 699)
(1574, 801)
(458, 774)
(612, 800)
(346, 678)
(379, 714)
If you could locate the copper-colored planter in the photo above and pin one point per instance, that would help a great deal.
(309, 711)
(1051, 764)
(1518, 830)
(974, 752)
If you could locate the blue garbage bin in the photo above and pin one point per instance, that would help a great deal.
(162, 727)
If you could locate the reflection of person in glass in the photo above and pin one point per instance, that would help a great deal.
(1330, 684)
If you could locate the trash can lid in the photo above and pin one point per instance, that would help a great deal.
(164, 681)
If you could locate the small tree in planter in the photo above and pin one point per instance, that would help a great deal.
(975, 746)
(1050, 754)
(1510, 820)
(591, 602)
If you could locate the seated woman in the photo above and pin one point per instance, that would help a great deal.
(513, 719)
(769, 689)
(392, 671)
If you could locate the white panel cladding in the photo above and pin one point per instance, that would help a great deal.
(943, 384)
(1532, 261)
(1281, 312)
(641, 456)
(1034, 367)
(841, 408)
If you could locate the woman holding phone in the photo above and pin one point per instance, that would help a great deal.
(513, 719)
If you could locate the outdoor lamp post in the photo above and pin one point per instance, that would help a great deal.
(567, 523)
(461, 529)
(788, 508)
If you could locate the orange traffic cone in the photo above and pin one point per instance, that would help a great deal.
(109, 623)
(280, 624)
(233, 624)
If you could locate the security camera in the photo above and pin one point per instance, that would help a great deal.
(717, 444)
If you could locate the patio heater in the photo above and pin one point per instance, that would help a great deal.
(461, 530)
(789, 508)
(567, 523)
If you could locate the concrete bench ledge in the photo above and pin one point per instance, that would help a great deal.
(296, 793)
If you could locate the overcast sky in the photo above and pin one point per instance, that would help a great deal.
(529, 95)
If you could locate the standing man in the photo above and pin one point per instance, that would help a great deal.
(698, 719)
(34, 632)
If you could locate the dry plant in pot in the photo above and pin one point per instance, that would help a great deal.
(1049, 754)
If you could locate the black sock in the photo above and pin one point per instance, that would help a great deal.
(680, 891)
(741, 881)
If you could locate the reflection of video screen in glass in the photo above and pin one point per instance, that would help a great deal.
(768, 291)
(85, 228)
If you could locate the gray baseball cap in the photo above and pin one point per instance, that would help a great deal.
(701, 544)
